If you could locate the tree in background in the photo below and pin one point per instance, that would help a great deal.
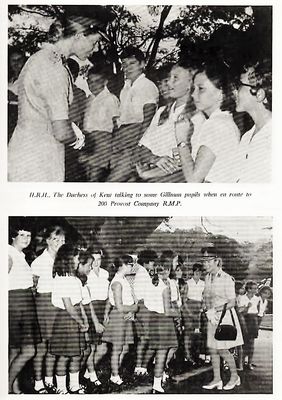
(228, 31)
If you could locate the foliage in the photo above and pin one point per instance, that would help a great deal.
(224, 29)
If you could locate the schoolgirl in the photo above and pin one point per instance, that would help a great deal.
(68, 336)
(98, 286)
(23, 327)
(42, 270)
(162, 334)
(119, 330)
(250, 301)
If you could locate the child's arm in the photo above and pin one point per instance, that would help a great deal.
(10, 263)
(108, 308)
(170, 311)
(74, 314)
(117, 292)
(149, 111)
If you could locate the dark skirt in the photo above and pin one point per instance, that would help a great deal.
(119, 331)
(99, 308)
(46, 314)
(142, 322)
(162, 333)
(191, 316)
(23, 325)
(251, 325)
(67, 339)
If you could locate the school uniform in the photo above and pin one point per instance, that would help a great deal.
(119, 331)
(194, 304)
(142, 282)
(98, 286)
(251, 316)
(67, 339)
(23, 325)
(133, 97)
(162, 333)
(42, 267)
(98, 122)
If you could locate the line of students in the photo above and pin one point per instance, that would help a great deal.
(76, 312)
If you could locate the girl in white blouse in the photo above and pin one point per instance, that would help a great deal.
(68, 336)
(119, 330)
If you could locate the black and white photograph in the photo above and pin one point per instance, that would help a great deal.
(140, 305)
(132, 93)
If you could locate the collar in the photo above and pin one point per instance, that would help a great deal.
(103, 93)
(218, 111)
(140, 77)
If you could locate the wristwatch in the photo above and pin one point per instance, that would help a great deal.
(182, 144)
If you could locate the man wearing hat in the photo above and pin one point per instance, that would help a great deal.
(36, 150)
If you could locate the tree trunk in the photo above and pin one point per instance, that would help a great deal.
(158, 37)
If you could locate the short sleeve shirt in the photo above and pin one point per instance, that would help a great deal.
(219, 289)
(100, 112)
(221, 135)
(141, 281)
(42, 267)
(98, 284)
(160, 139)
(254, 156)
(20, 275)
(195, 289)
(66, 287)
(127, 296)
(253, 309)
(134, 97)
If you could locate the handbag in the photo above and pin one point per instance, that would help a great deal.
(224, 331)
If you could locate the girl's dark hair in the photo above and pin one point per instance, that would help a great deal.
(102, 69)
(261, 78)
(19, 224)
(238, 285)
(249, 285)
(64, 260)
(124, 259)
(145, 256)
(219, 74)
(83, 257)
(197, 267)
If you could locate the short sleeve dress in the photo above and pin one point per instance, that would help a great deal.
(219, 290)
(44, 96)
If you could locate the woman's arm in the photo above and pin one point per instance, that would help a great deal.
(63, 132)
(229, 304)
(170, 311)
(194, 171)
(117, 292)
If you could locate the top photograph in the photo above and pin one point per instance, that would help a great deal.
(132, 93)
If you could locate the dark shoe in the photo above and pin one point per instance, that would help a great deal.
(41, 391)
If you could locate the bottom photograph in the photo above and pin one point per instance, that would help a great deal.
(140, 305)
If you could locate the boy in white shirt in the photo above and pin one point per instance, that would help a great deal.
(139, 98)
(99, 124)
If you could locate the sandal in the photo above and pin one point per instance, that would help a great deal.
(96, 382)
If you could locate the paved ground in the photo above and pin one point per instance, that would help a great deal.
(257, 381)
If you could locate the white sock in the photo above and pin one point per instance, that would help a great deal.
(87, 374)
(48, 380)
(116, 379)
(158, 384)
(38, 385)
(61, 383)
(93, 376)
(74, 381)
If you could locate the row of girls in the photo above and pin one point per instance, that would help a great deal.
(66, 326)
(77, 313)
